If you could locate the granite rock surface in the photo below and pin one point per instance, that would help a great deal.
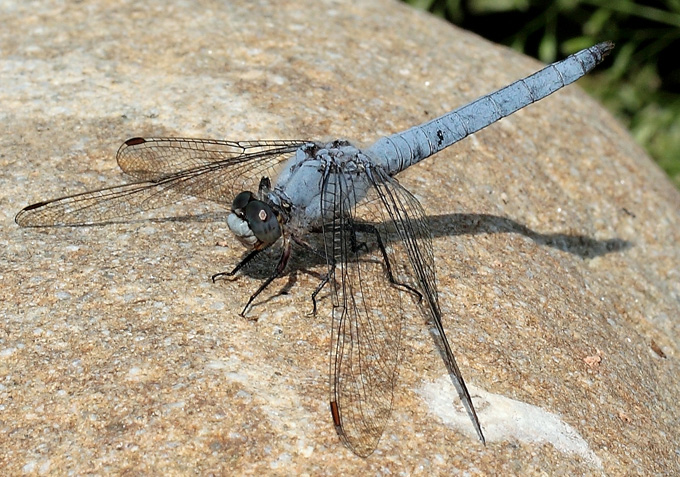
(556, 244)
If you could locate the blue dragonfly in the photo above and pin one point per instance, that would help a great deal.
(374, 236)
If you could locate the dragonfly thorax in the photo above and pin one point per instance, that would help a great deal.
(315, 174)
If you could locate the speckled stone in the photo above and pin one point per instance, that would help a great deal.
(556, 242)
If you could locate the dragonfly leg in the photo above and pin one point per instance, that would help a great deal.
(325, 279)
(319, 287)
(240, 265)
(356, 245)
(373, 230)
(283, 261)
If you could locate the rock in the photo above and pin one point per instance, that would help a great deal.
(555, 241)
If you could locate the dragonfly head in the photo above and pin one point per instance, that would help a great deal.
(253, 222)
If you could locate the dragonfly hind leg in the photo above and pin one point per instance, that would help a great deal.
(325, 279)
(372, 229)
(356, 246)
(319, 287)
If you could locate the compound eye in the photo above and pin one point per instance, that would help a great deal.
(241, 201)
(262, 221)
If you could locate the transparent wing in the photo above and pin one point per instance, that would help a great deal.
(412, 230)
(168, 170)
(370, 291)
(383, 268)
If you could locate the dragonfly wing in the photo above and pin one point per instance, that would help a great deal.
(411, 227)
(168, 170)
(211, 169)
(382, 268)
(371, 294)
(99, 206)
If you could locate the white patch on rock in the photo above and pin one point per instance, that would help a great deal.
(504, 419)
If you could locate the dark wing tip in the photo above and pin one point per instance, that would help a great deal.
(20, 218)
(135, 141)
(32, 206)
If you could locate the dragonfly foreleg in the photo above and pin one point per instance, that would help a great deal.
(240, 265)
(283, 261)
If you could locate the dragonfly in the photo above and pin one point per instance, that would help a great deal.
(373, 233)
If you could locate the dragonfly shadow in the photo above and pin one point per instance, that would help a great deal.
(477, 224)
(440, 225)
(582, 246)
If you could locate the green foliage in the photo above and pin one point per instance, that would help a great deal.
(642, 84)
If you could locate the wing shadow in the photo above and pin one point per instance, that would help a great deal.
(445, 225)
